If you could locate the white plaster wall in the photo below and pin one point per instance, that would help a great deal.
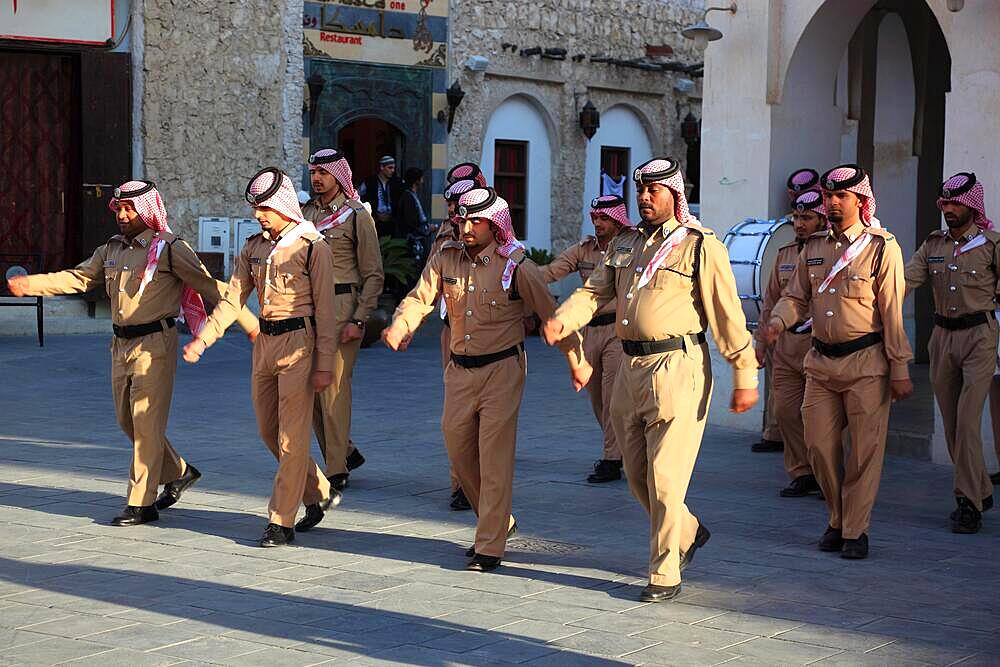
(620, 126)
(517, 119)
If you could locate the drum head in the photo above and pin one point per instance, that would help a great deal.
(753, 248)
(782, 234)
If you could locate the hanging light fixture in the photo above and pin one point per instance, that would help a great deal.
(701, 32)
(590, 120)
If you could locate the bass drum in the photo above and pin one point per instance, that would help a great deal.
(753, 247)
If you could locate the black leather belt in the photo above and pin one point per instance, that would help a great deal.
(850, 347)
(602, 320)
(342, 288)
(278, 327)
(480, 360)
(640, 348)
(446, 321)
(136, 330)
(965, 321)
(794, 329)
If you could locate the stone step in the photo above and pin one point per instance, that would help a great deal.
(61, 315)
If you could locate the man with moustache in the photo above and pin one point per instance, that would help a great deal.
(486, 280)
(672, 280)
(786, 357)
(961, 263)
(850, 278)
(600, 345)
(348, 228)
(151, 276)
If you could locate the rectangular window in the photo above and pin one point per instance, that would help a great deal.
(615, 172)
(510, 178)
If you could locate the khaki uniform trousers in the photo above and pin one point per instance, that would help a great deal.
(658, 410)
(282, 393)
(142, 381)
(332, 409)
(445, 358)
(772, 429)
(849, 479)
(604, 352)
(787, 389)
(962, 365)
(479, 423)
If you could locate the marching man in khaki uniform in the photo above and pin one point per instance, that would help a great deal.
(485, 280)
(150, 276)
(672, 280)
(600, 345)
(961, 264)
(293, 358)
(788, 354)
(348, 227)
(851, 279)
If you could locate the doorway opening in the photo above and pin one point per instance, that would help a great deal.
(367, 139)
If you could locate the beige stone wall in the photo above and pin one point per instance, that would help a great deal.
(221, 98)
(616, 28)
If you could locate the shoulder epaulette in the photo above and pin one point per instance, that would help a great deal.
(589, 238)
(518, 255)
(821, 234)
(699, 229)
(882, 233)
(793, 244)
(452, 244)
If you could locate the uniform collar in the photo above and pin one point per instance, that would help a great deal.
(335, 203)
(851, 233)
(289, 227)
(973, 232)
(486, 254)
(141, 240)
(649, 230)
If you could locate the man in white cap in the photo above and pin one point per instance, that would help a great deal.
(151, 277)
(293, 358)
(850, 278)
(348, 228)
(486, 280)
(381, 192)
(600, 344)
(672, 280)
(961, 265)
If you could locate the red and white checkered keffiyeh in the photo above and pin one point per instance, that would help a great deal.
(457, 189)
(284, 200)
(466, 170)
(802, 180)
(503, 230)
(149, 206)
(618, 212)
(340, 169)
(965, 189)
(810, 200)
(675, 182)
(863, 189)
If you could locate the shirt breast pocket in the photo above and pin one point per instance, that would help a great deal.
(857, 286)
(111, 281)
(671, 274)
(500, 306)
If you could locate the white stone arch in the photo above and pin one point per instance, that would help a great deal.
(622, 125)
(522, 117)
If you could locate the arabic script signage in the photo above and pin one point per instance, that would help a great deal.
(64, 21)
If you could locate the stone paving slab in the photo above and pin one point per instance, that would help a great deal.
(381, 580)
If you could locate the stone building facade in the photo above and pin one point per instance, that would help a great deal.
(555, 91)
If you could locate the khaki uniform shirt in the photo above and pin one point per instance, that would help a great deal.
(693, 289)
(285, 287)
(792, 346)
(484, 317)
(582, 257)
(446, 232)
(865, 297)
(120, 264)
(962, 285)
(357, 255)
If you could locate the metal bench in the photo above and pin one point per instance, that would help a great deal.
(19, 265)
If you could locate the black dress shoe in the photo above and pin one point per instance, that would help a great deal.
(276, 536)
(471, 551)
(134, 515)
(459, 502)
(800, 486)
(355, 460)
(988, 503)
(482, 563)
(654, 593)
(339, 481)
(700, 539)
(316, 512)
(172, 490)
(995, 478)
(832, 540)
(855, 549)
(605, 470)
(768, 446)
(966, 520)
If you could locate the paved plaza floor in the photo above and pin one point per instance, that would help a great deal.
(381, 580)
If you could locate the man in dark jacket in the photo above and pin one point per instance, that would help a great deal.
(382, 191)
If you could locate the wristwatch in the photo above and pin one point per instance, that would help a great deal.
(358, 323)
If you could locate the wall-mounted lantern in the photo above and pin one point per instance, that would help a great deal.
(590, 120)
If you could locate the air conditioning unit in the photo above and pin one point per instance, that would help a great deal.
(213, 236)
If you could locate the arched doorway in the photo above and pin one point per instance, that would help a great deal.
(365, 140)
